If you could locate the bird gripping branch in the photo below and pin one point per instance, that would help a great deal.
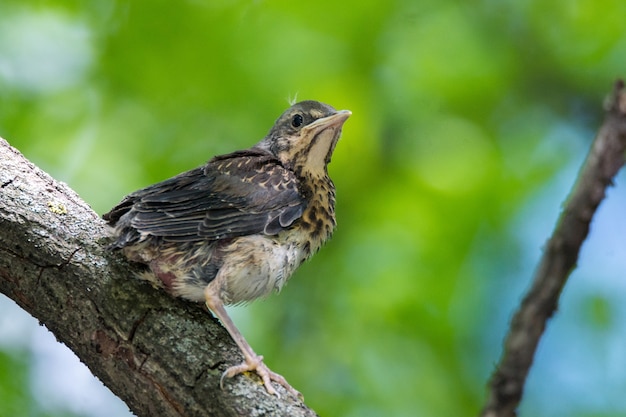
(236, 228)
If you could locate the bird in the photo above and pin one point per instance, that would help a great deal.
(236, 228)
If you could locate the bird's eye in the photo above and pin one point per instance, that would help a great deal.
(297, 120)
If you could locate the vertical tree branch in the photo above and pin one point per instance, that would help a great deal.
(559, 258)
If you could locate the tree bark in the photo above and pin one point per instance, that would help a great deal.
(162, 356)
(559, 258)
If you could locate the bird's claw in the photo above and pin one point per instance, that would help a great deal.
(267, 376)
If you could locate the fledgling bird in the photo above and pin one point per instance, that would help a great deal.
(236, 228)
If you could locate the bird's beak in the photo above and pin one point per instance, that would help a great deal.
(334, 120)
(322, 136)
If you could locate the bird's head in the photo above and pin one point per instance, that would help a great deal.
(305, 135)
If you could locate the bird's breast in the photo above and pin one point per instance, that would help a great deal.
(318, 222)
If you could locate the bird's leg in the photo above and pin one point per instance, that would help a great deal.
(252, 362)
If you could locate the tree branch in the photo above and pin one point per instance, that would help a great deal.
(605, 159)
(162, 356)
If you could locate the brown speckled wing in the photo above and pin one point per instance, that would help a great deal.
(242, 193)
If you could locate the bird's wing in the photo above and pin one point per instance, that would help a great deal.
(233, 195)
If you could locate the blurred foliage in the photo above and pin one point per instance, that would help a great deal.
(15, 398)
(13, 389)
(463, 113)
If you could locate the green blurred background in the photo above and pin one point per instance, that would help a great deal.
(470, 120)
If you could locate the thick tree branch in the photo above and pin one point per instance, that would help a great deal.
(162, 356)
(605, 159)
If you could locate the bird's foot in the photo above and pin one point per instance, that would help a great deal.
(255, 364)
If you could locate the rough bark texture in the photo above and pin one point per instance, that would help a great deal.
(162, 356)
(605, 159)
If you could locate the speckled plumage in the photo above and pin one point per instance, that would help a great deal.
(237, 228)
